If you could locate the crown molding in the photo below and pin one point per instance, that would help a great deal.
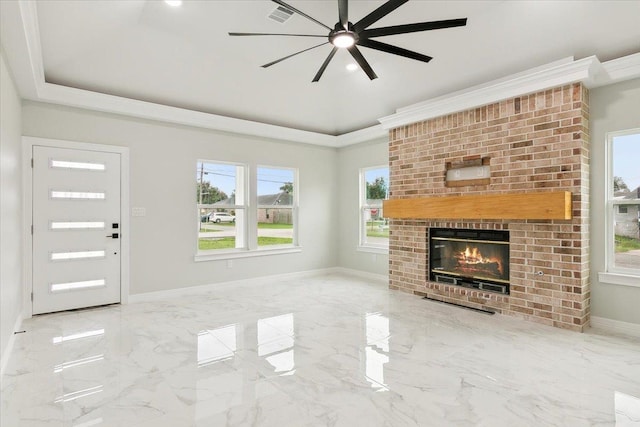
(555, 74)
(625, 68)
(73, 97)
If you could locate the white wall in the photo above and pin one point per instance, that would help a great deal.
(350, 160)
(11, 209)
(612, 108)
(163, 171)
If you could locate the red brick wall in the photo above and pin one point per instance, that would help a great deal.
(536, 143)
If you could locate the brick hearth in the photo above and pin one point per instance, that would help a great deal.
(537, 142)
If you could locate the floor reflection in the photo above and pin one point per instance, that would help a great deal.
(377, 349)
(276, 341)
(216, 345)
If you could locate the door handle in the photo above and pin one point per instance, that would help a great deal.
(113, 236)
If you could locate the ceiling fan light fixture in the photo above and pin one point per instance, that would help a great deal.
(173, 3)
(343, 40)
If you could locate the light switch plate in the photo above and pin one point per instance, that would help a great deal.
(138, 212)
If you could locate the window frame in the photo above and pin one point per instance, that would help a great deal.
(615, 274)
(249, 228)
(363, 206)
(244, 207)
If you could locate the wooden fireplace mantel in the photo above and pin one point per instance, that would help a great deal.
(547, 205)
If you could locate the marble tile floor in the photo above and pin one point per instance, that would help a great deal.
(330, 350)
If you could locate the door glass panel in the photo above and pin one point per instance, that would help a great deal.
(70, 286)
(74, 225)
(63, 164)
(76, 195)
(60, 256)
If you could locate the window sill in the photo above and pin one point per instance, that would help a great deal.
(373, 249)
(619, 279)
(242, 253)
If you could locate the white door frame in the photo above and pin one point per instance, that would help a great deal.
(27, 190)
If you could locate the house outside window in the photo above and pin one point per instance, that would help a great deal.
(277, 202)
(374, 227)
(623, 203)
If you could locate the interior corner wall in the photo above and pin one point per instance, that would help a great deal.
(163, 160)
(350, 160)
(613, 108)
(11, 209)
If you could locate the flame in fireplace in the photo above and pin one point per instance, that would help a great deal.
(473, 257)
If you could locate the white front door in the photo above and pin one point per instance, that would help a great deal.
(76, 228)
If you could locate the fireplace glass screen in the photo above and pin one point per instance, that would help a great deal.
(470, 258)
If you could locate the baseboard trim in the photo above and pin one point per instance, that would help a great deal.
(362, 274)
(604, 324)
(9, 349)
(195, 290)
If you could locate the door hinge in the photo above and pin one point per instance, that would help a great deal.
(31, 163)
(32, 229)
(31, 296)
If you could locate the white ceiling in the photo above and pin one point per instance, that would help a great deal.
(183, 57)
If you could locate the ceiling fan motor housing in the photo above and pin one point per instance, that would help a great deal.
(340, 31)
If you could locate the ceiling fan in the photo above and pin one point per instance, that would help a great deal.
(346, 35)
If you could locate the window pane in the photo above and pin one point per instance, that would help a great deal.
(625, 213)
(627, 236)
(376, 183)
(220, 195)
(275, 206)
(626, 173)
(374, 228)
(218, 229)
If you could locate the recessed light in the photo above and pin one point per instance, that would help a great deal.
(173, 3)
(352, 67)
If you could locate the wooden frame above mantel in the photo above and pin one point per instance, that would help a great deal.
(543, 205)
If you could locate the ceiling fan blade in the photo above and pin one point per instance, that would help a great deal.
(293, 9)
(412, 28)
(343, 13)
(275, 34)
(324, 64)
(353, 50)
(373, 44)
(293, 54)
(378, 14)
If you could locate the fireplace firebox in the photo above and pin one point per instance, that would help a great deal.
(470, 258)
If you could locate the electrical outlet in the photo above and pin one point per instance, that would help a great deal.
(229, 263)
(138, 212)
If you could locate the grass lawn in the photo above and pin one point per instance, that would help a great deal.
(376, 229)
(261, 225)
(274, 226)
(625, 244)
(230, 242)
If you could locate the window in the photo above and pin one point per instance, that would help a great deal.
(276, 206)
(229, 224)
(623, 207)
(222, 205)
(374, 228)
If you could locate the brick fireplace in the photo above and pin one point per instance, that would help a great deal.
(532, 143)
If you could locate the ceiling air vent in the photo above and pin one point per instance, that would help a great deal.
(281, 14)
